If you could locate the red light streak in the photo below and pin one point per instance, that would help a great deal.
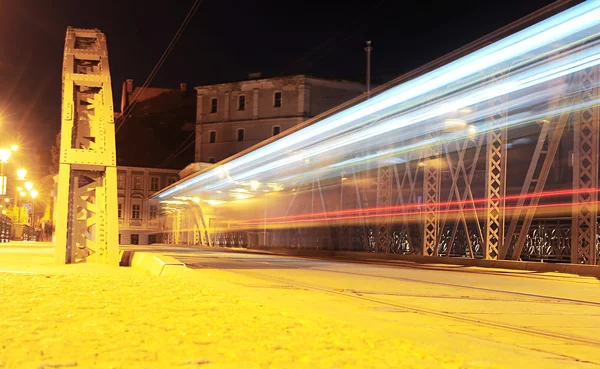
(334, 215)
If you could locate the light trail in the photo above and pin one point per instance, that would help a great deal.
(419, 205)
(418, 214)
(527, 59)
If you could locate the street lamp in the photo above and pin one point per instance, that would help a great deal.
(21, 173)
(4, 155)
(33, 194)
(28, 186)
(22, 193)
(14, 147)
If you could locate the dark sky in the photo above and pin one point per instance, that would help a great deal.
(225, 41)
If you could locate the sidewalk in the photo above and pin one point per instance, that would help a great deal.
(94, 316)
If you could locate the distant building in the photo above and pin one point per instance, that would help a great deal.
(231, 117)
(138, 220)
(156, 126)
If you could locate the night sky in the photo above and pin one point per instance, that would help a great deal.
(224, 42)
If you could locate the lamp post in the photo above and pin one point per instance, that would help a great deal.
(33, 194)
(4, 155)
(29, 186)
(22, 194)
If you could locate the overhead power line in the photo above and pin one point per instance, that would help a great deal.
(161, 61)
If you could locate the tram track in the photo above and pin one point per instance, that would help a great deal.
(421, 310)
(441, 284)
(286, 282)
(452, 285)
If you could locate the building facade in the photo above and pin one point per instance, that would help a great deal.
(232, 117)
(156, 126)
(138, 219)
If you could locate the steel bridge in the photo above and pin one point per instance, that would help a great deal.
(493, 155)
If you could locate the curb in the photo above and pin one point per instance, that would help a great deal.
(154, 263)
(576, 269)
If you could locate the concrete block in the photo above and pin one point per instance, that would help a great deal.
(153, 263)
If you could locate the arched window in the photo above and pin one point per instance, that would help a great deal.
(240, 134)
(213, 137)
(276, 130)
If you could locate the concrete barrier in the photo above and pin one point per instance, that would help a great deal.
(154, 264)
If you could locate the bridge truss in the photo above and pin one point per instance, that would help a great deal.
(87, 223)
(493, 156)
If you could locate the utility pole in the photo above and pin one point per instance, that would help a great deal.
(368, 49)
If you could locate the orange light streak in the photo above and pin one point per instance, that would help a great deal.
(523, 207)
(331, 215)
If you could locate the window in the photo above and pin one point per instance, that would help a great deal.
(214, 105)
(119, 238)
(276, 130)
(120, 181)
(172, 180)
(151, 239)
(153, 212)
(277, 99)
(135, 239)
(213, 137)
(242, 102)
(212, 160)
(137, 183)
(240, 135)
(135, 211)
(154, 183)
(120, 210)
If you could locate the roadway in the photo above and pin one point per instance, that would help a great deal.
(504, 317)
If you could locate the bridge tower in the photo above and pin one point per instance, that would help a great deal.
(87, 223)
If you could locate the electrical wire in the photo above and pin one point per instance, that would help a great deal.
(127, 111)
(178, 150)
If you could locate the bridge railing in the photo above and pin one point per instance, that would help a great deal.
(5, 228)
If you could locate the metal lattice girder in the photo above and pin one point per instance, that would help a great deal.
(496, 179)
(467, 195)
(546, 148)
(200, 223)
(585, 171)
(87, 222)
(408, 184)
(384, 197)
(177, 220)
(431, 188)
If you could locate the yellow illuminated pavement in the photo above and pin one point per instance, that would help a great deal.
(261, 311)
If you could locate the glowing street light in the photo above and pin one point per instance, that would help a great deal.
(14, 147)
(23, 193)
(4, 155)
(21, 173)
(28, 186)
(34, 194)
